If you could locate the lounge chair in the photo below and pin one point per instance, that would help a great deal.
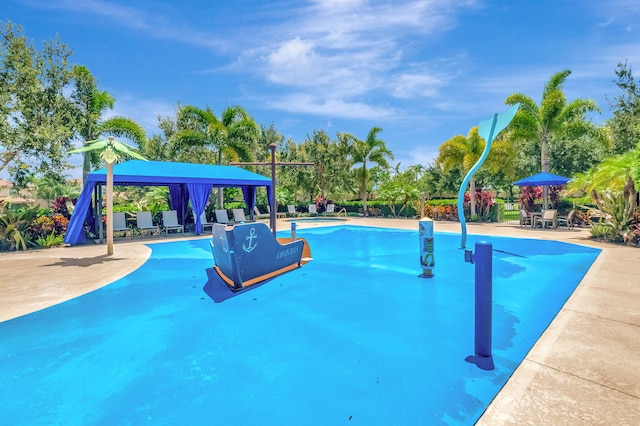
(258, 215)
(548, 216)
(120, 224)
(566, 220)
(331, 209)
(170, 222)
(238, 216)
(312, 209)
(277, 214)
(222, 216)
(291, 210)
(205, 222)
(525, 218)
(144, 223)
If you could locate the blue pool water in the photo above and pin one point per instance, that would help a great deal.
(353, 337)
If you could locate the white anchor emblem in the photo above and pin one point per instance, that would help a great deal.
(252, 235)
(223, 243)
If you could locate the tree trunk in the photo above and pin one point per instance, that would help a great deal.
(472, 197)
(86, 167)
(364, 201)
(109, 208)
(544, 165)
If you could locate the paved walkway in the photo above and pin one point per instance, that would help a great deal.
(585, 369)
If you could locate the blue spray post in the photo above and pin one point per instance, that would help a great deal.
(427, 252)
(294, 226)
(487, 129)
(483, 307)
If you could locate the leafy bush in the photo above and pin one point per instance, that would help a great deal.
(618, 208)
(51, 240)
(14, 227)
(528, 197)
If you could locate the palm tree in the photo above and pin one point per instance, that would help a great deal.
(232, 137)
(461, 151)
(554, 119)
(373, 151)
(110, 151)
(91, 104)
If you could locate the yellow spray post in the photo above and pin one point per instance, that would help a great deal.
(427, 259)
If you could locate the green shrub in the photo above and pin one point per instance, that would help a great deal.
(51, 240)
(14, 227)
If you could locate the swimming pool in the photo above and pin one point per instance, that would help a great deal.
(318, 219)
(354, 336)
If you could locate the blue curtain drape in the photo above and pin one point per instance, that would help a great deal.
(249, 194)
(179, 200)
(199, 195)
(75, 229)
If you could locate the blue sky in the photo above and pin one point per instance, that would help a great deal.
(424, 71)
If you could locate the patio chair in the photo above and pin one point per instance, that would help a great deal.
(120, 224)
(525, 218)
(144, 222)
(291, 210)
(548, 216)
(312, 209)
(238, 216)
(222, 216)
(331, 209)
(277, 214)
(170, 222)
(566, 220)
(258, 215)
(205, 222)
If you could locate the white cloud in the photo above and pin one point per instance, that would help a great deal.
(307, 104)
(144, 111)
(419, 155)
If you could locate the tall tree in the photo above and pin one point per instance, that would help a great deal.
(232, 137)
(371, 151)
(625, 123)
(554, 119)
(202, 136)
(464, 152)
(90, 105)
(35, 114)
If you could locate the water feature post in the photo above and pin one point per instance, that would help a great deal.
(483, 303)
(427, 252)
(294, 226)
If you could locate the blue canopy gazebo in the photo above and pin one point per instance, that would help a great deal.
(186, 182)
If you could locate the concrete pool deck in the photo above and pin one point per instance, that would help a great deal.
(584, 369)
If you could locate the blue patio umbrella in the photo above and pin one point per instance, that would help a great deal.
(543, 179)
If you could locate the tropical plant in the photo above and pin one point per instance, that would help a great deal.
(232, 137)
(402, 189)
(484, 202)
(110, 151)
(50, 240)
(90, 105)
(14, 226)
(464, 152)
(369, 151)
(612, 173)
(618, 208)
(535, 127)
(330, 166)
